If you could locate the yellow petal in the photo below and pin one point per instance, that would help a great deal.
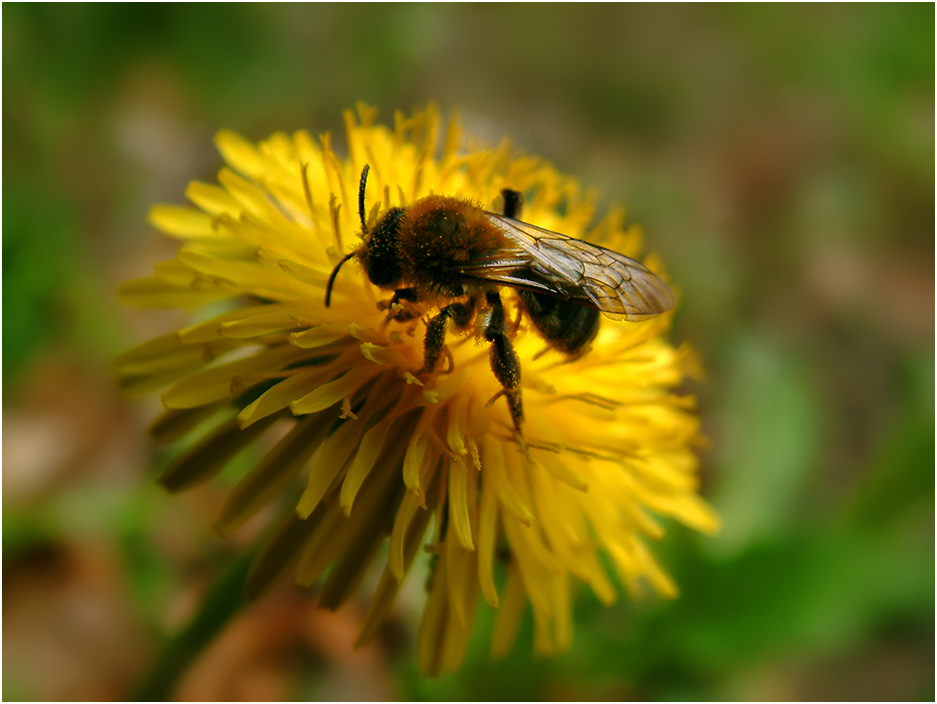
(210, 198)
(328, 461)
(433, 625)
(272, 474)
(463, 599)
(318, 336)
(459, 493)
(493, 460)
(372, 446)
(331, 393)
(396, 553)
(153, 292)
(508, 620)
(207, 457)
(280, 552)
(282, 394)
(264, 323)
(180, 221)
(230, 379)
(240, 153)
(487, 537)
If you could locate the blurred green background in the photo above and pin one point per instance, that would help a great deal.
(780, 158)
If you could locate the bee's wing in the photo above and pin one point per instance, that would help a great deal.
(548, 262)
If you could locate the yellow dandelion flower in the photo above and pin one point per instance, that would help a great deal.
(384, 448)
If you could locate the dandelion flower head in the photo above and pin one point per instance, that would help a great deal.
(388, 465)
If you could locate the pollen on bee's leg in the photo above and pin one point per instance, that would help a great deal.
(516, 407)
(434, 342)
(507, 370)
(503, 359)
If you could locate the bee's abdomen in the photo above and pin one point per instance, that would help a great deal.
(566, 325)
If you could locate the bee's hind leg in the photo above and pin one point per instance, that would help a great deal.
(513, 203)
(504, 362)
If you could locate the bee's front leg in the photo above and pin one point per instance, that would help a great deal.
(504, 362)
(401, 297)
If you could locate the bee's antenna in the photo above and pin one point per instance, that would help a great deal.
(364, 227)
(361, 187)
(328, 286)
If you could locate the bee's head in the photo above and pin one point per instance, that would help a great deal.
(378, 254)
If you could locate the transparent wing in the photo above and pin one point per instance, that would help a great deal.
(548, 262)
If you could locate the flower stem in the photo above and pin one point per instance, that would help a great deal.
(223, 601)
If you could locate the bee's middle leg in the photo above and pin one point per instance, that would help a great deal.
(504, 362)
(435, 341)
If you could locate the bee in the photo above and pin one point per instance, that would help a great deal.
(447, 254)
